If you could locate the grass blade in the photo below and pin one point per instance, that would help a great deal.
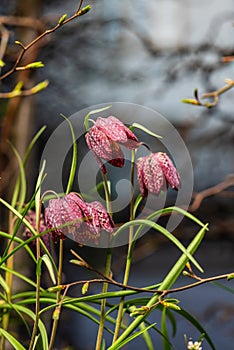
(16, 345)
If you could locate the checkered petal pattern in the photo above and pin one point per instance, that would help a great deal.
(72, 217)
(103, 140)
(155, 172)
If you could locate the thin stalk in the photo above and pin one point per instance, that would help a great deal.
(129, 256)
(107, 271)
(9, 279)
(58, 298)
(38, 284)
(38, 281)
(103, 304)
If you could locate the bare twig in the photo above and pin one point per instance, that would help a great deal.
(110, 280)
(199, 197)
(60, 23)
(213, 95)
(199, 282)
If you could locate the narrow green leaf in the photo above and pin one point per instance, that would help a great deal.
(4, 284)
(164, 330)
(18, 240)
(41, 325)
(136, 204)
(168, 281)
(24, 243)
(16, 345)
(38, 269)
(135, 335)
(149, 132)
(163, 231)
(74, 157)
(86, 119)
(178, 210)
(49, 266)
(220, 285)
(19, 193)
(36, 341)
(32, 143)
(146, 336)
(19, 275)
(103, 346)
(38, 194)
(160, 212)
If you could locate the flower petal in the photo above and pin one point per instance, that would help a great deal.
(101, 219)
(118, 132)
(153, 175)
(140, 176)
(169, 170)
(103, 147)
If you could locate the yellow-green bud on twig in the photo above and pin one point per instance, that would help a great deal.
(84, 10)
(62, 19)
(39, 87)
(85, 288)
(55, 289)
(2, 64)
(56, 313)
(37, 64)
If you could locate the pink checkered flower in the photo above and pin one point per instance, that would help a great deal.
(155, 172)
(72, 217)
(103, 140)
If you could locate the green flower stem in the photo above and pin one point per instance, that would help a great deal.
(58, 298)
(107, 271)
(129, 256)
(38, 281)
(165, 285)
(107, 194)
(103, 303)
(9, 279)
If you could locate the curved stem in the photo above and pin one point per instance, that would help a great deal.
(58, 309)
(8, 278)
(129, 256)
(107, 270)
(103, 304)
(38, 283)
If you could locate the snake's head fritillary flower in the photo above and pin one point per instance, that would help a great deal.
(72, 217)
(103, 140)
(155, 172)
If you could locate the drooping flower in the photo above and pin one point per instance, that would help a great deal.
(31, 217)
(155, 172)
(103, 140)
(72, 217)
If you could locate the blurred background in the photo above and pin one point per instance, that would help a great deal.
(153, 53)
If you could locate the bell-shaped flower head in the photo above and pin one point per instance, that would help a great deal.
(103, 140)
(72, 217)
(155, 172)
